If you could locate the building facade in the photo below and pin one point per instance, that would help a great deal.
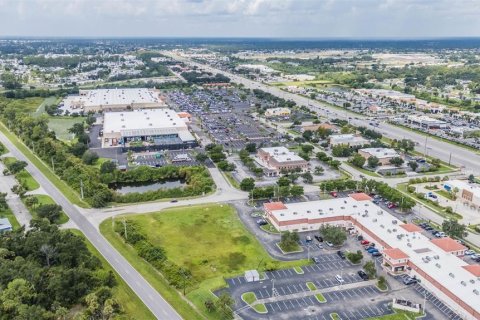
(279, 159)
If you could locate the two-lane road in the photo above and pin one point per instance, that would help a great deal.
(150, 297)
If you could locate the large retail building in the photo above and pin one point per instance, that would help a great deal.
(437, 263)
(153, 129)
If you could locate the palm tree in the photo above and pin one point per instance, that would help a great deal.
(49, 252)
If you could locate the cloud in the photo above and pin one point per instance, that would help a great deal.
(260, 18)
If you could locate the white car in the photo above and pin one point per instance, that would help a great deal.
(339, 278)
(475, 256)
(469, 252)
(329, 244)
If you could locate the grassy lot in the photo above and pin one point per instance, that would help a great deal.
(445, 194)
(41, 108)
(42, 200)
(269, 228)
(335, 316)
(133, 307)
(302, 83)
(7, 213)
(250, 298)
(28, 181)
(60, 126)
(68, 192)
(24, 176)
(209, 240)
(27, 105)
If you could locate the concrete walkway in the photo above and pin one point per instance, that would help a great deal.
(14, 202)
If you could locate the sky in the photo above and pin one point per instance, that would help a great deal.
(241, 18)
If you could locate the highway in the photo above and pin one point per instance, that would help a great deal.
(457, 155)
(150, 297)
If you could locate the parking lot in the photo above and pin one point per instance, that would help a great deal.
(433, 301)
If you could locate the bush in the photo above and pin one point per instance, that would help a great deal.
(355, 257)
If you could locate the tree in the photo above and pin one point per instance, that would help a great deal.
(3, 201)
(49, 252)
(471, 178)
(89, 157)
(78, 149)
(370, 269)
(454, 229)
(336, 235)
(406, 145)
(342, 151)
(224, 305)
(107, 167)
(413, 165)
(77, 129)
(335, 164)
(289, 241)
(16, 166)
(49, 211)
(247, 184)
(201, 157)
(355, 257)
(296, 191)
(396, 161)
(31, 201)
(358, 161)
(251, 147)
(19, 190)
(373, 162)
(318, 170)
(283, 181)
(307, 177)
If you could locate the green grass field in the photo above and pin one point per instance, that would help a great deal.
(23, 176)
(27, 105)
(7, 213)
(209, 240)
(362, 170)
(311, 286)
(60, 126)
(41, 108)
(132, 306)
(42, 200)
(68, 192)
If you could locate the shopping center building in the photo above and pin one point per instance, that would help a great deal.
(437, 263)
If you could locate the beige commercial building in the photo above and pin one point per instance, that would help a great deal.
(278, 159)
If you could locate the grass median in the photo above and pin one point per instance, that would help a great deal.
(67, 191)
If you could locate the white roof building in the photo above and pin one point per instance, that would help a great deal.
(347, 139)
(381, 153)
(436, 262)
(110, 99)
(145, 123)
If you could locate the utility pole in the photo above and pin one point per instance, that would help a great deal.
(53, 165)
(450, 158)
(81, 188)
(125, 228)
(425, 153)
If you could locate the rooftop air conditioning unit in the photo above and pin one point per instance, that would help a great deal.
(472, 281)
(394, 221)
(409, 245)
(374, 220)
(451, 275)
(463, 283)
(475, 291)
(382, 226)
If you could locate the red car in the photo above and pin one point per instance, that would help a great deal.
(333, 194)
(364, 242)
(391, 205)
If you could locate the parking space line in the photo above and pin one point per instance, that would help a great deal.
(293, 306)
(283, 291)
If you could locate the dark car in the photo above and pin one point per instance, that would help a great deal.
(319, 239)
(363, 275)
(341, 254)
(315, 260)
(409, 280)
(376, 254)
(262, 222)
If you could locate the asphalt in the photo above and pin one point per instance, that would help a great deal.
(459, 156)
(150, 297)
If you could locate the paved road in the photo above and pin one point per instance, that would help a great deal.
(152, 299)
(442, 150)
